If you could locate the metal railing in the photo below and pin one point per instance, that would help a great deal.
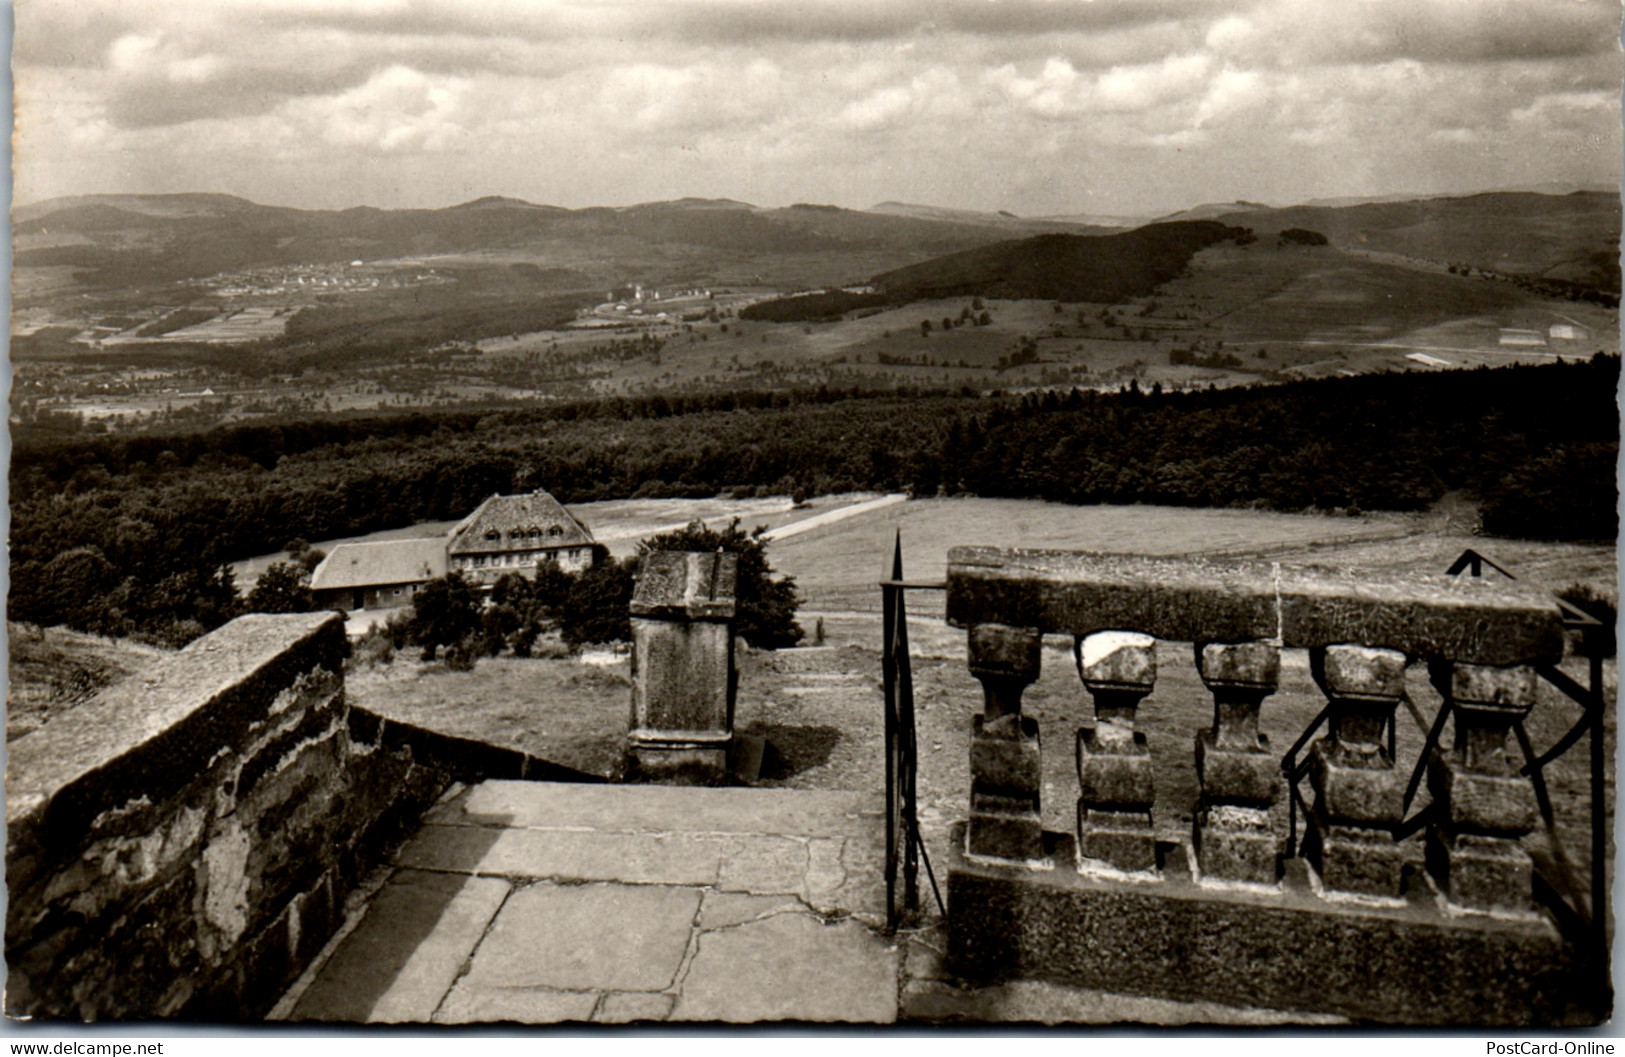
(905, 849)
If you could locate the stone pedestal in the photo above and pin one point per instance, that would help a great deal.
(1483, 805)
(683, 674)
(1005, 758)
(1236, 832)
(1359, 797)
(1115, 781)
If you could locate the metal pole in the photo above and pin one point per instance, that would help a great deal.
(888, 667)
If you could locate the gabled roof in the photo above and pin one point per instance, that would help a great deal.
(377, 564)
(518, 522)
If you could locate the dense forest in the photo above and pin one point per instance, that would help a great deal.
(128, 534)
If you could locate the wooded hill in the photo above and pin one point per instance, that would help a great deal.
(1100, 268)
(127, 534)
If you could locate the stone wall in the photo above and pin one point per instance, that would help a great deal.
(182, 846)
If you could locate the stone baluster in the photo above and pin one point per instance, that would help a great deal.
(1359, 797)
(1115, 781)
(1236, 833)
(1482, 805)
(1004, 751)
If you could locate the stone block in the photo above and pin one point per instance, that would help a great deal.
(681, 585)
(1365, 793)
(1481, 873)
(1474, 802)
(1115, 774)
(682, 678)
(1249, 665)
(1231, 776)
(1237, 844)
(1003, 764)
(665, 760)
(1508, 688)
(1359, 673)
(1203, 600)
(1123, 840)
(1110, 660)
(1017, 836)
(997, 649)
(1350, 859)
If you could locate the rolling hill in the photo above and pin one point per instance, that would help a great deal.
(1571, 237)
(1105, 268)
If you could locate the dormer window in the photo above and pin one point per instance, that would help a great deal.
(554, 530)
(493, 535)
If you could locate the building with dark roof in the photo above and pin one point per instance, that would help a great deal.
(377, 575)
(518, 533)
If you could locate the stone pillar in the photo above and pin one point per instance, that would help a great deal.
(1482, 805)
(1359, 797)
(1115, 781)
(1005, 778)
(683, 675)
(1236, 834)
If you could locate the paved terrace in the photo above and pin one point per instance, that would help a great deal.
(538, 902)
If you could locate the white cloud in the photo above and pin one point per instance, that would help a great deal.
(959, 101)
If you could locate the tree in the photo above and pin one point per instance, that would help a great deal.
(284, 587)
(766, 610)
(598, 603)
(444, 611)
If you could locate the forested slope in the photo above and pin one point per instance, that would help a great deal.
(127, 534)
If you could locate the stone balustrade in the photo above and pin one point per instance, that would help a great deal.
(1481, 642)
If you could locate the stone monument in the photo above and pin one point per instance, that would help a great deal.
(683, 674)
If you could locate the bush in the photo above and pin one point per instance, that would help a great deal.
(597, 603)
(444, 612)
(373, 648)
(284, 587)
(462, 654)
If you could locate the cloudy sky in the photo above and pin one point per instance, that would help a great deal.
(1035, 106)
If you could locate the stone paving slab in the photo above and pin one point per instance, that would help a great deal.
(790, 967)
(566, 854)
(532, 902)
(419, 932)
(597, 937)
(662, 809)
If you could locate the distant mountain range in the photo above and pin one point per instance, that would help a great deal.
(111, 240)
(117, 239)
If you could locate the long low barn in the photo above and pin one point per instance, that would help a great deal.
(505, 534)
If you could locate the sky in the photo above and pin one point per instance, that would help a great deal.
(1038, 107)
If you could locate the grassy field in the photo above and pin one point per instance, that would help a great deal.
(54, 669)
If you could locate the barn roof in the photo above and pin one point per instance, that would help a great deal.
(377, 564)
(512, 522)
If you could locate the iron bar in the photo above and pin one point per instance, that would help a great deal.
(1543, 799)
(1434, 733)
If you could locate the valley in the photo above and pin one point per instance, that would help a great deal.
(144, 312)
